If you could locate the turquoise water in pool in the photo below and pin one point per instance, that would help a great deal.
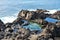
(33, 27)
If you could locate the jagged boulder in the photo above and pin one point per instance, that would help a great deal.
(25, 14)
(22, 13)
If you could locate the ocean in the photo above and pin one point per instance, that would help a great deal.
(9, 9)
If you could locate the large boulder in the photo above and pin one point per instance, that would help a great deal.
(25, 14)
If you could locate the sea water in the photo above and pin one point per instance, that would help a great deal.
(9, 9)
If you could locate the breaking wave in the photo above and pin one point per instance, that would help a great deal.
(9, 19)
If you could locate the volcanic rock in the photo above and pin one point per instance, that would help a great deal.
(2, 35)
(8, 25)
(23, 32)
(24, 14)
(2, 26)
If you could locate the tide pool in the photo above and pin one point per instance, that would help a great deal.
(33, 27)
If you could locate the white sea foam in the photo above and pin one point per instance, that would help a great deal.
(52, 11)
(7, 19)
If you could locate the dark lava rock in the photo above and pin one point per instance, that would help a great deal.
(8, 25)
(24, 33)
(25, 14)
(2, 34)
(1, 23)
(2, 26)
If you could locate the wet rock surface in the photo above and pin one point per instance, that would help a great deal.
(20, 29)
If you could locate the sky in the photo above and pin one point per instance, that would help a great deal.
(9, 8)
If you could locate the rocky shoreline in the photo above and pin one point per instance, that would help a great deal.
(32, 25)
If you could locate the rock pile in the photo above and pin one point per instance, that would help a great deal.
(16, 30)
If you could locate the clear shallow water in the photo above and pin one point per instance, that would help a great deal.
(10, 8)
